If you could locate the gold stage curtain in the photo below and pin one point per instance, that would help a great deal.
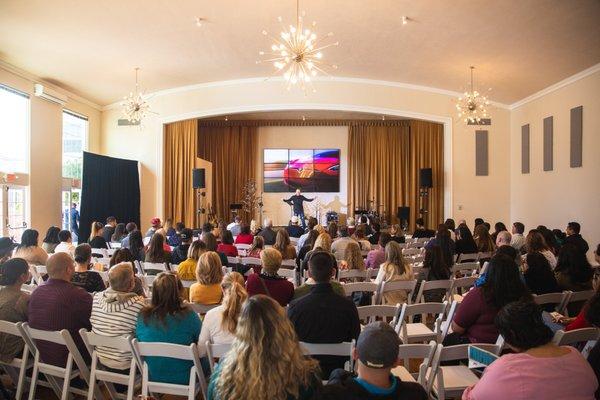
(180, 149)
(384, 163)
(232, 150)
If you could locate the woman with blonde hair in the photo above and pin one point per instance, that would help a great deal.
(258, 244)
(483, 239)
(220, 323)
(268, 281)
(395, 268)
(97, 241)
(266, 361)
(322, 243)
(319, 228)
(353, 258)
(209, 273)
(187, 268)
(284, 246)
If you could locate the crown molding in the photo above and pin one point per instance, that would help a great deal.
(36, 79)
(552, 88)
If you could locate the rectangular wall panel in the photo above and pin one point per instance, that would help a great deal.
(548, 143)
(481, 153)
(525, 149)
(577, 137)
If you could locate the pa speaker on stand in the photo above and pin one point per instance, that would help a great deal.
(425, 182)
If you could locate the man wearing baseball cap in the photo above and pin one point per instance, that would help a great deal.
(376, 353)
(155, 225)
(293, 229)
(180, 252)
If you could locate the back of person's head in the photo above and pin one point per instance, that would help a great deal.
(499, 227)
(167, 299)
(384, 239)
(574, 226)
(119, 232)
(226, 237)
(96, 230)
(573, 262)
(52, 235)
(539, 273)
(343, 230)
(136, 243)
(312, 222)
(234, 296)
(270, 260)
(534, 241)
(179, 226)
(332, 229)
(363, 219)
(245, 229)
(465, 233)
(377, 348)
(353, 257)
(478, 221)
(350, 221)
(265, 361)
(156, 248)
(420, 222)
(196, 249)
(323, 242)
(319, 228)
(395, 230)
(311, 238)
(29, 238)
(376, 226)
(83, 254)
(258, 242)
(209, 270)
(436, 262)
(120, 256)
(60, 266)
(507, 250)
(503, 283)
(559, 235)
(64, 236)
(111, 220)
(268, 222)
(237, 219)
(130, 227)
(209, 240)
(121, 277)
(320, 266)
(521, 325)
(503, 238)
(394, 259)
(15, 270)
(481, 231)
(186, 235)
(360, 233)
(450, 224)
(442, 232)
(207, 227)
(519, 227)
(282, 240)
(592, 313)
(487, 226)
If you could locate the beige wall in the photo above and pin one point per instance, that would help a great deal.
(553, 198)
(305, 137)
(45, 169)
(477, 196)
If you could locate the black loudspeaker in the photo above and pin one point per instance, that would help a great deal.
(198, 178)
(425, 180)
(403, 213)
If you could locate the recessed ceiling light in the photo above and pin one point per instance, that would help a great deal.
(404, 20)
(199, 21)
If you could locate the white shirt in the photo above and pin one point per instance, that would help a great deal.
(65, 247)
(212, 331)
(338, 247)
(517, 241)
(234, 228)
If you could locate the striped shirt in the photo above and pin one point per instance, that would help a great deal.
(115, 314)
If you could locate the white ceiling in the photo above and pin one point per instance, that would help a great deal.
(91, 47)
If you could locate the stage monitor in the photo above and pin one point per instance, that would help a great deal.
(311, 170)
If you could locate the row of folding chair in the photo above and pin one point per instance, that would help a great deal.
(561, 300)
(463, 257)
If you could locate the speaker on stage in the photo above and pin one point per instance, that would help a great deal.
(198, 178)
(425, 180)
(403, 213)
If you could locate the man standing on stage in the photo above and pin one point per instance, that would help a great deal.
(297, 201)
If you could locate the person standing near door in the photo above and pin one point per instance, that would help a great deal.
(74, 217)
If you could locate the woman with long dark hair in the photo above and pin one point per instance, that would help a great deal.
(573, 272)
(538, 274)
(447, 245)
(435, 268)
(535, 243)
(85, 276)
(29, 249)
(119, 234)
(136, 246)
(13, 304)
(465, 244)
(51, 240)
(156, 250)
(474, 320)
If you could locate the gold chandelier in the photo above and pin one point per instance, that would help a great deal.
(472, 105)
(135, 106)
(297, 53)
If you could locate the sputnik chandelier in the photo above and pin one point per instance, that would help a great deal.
(472, 105)
(297, 53)
(135, 106)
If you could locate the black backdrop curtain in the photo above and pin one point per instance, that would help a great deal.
(110, 187)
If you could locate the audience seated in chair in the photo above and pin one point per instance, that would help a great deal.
(187, 268)
(156, 252)
(421, 230)
(124, 255)
(284, 246)
(574, 237)
(338, 247)
(97, 240)
(538, 275)
(376, 353)
(294, 229)
(265, 361)
(59, 304)
(376, 257)
(395, 268)
(6, 248)
(447, 245)
(211, 245)
(503, 238)
(308, 246)
(13, 304)
(220, 323)
(435, 268)
(245, 237)
(109, 229)
(226, 246)
(483, 239)
(115, 313)
(29, 249)
(155, 224)
(267, 233)
(209, 273)
(518, 240)
(539, 369)
(397, 234)
(322, 315)
(130, 227)
(535, 243)
(268, 282)
(119, 233)
(235, 226)
(66, 243)
(51, 240)
(465, 244)
(167, 319)
(353, 259)
(258, 245)
(180, 253)
(499, 227)
(592, 316)
(86, 273)
(361, 238)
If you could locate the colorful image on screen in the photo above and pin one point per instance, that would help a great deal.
(316, 170)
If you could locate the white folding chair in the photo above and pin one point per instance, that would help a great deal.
(393, 286)
(343, 349)
(350, 288)
(372, 273)
(562, 338)
(242, 249)
(442, 284)
(202, 309)
(464, 284)
(234, 260)
(18, 366)
(352, 274)
(104, 276)
(411, 252)
(558, 299)
(146, 240)
(290, 274)
(28, 288)
(409, 352)
(110, 251)
(288, 264)
(411, 332)
(368, 314)
(174, 267)
(575, 297)
(115, 245)
(159, 267)
(484, 256)
(196, 382)
(484, 268)
(463, 257)
(102, 252)
(466, 268)
(251, 261)
(216, 351)
(188, 284)
(452, 380)
(97, 371)
(51, 371)
(37, 271)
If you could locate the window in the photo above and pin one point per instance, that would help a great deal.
(75, 131)
(14, 128)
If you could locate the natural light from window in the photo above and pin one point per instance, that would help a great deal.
(75, 129)
(14, 122)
